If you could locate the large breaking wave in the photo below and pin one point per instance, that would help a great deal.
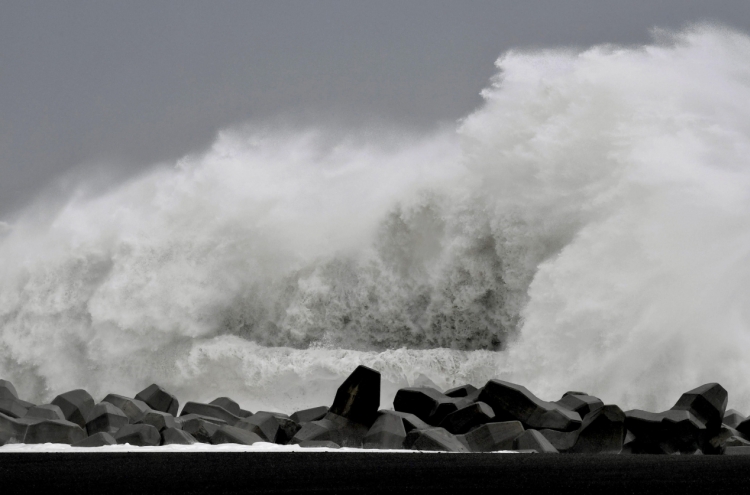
(588, 227)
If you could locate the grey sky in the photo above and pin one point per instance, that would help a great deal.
(134, 83)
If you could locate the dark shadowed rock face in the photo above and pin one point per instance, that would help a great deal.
(134, 409)
(358, 398)
(200, 428)
(744, 428)
(13, 408)
(209, 410)
(139, 434)
(174, 436)
(97, 440)
(76, 405)
(54, 431)
(581, 403)
(312, 414)
(105, 417)
(159, 399)
(515, 402)
(533, 440)
(466, 418)
(733, 418)
(492, 437)
(388, 432)
(603, 432)
(159, 420)
(263, 424)
(434, 439)
(45, 411)
(462, 391)
(231, 434)
(428, 404)
(707, 402)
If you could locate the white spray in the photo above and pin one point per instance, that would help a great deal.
(587, 228)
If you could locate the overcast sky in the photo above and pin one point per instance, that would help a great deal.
(133, 83)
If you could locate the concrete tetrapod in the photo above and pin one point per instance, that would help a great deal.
(468, 417)
(54, 431)
(105, 417)
(307, 415)
(492, 437)
(387, 432)
(45, 411)
(76, 405)
(159, 399)
(159, 420)
(358, 398)
(210, 410)
(138, 434)
(134, 409)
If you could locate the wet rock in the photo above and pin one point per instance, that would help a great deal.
(106, 418)
(263, 424)
(231, 434)
(312, 414)
(200, 428)
(358, 398)
(468, 417)
(515, 402)
(492, 437)
(175, 436)
(54, 431)
(581, 403)
(7, 390)
(97, 440)
(227, 404)
(159, 420)
(13, 408)
(733, 418)
(317, 444)
(134, 409)
(387, 432)
(428, 404)
(533, 440)
(45, 411)
(707, 403)
(12, 430)
(434, 439)
(76, 405)
(138, 434)
(210, 410)
(159, 399)
(461, 391)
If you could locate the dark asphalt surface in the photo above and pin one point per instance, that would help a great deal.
(370, 473)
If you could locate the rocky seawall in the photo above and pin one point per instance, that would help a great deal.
(498, 416)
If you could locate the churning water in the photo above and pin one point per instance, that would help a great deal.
(587, 228)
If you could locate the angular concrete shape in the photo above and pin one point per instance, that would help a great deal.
(533, 440)
(159, 399)
(76, 405)
(230, 434)
(174, 436)
(468, 417)
(358, 398)
(387, 432)
(210, 410)
(45, 411)
(138, 434)
(54, 431)
(307, 415)
(461, 391)
(106, 418)
(227, 404)
(434, 439)
(159, 420)
(492, 437)
(100, 439)
(134, 409)
(707, 402)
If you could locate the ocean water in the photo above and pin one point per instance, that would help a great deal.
(587, 228)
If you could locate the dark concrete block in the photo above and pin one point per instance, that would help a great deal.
(45, 411)
(76, 405)
(54, 431)
(466, 418)
(316, 444)
(227, 404)
(263, 424)
(210, 410)
(159, 399)
(603, 432)
(533, 440)
(174, 436)
(107, 418)
(358, 398)
(134, 409)
(563, 441)
(387, 432)
(318, 430)
(7, 390)
(515, 402)
(97, 440)
(13, 408)
(411, 422)
(138, 434)
(428, 404)
(434, 439)
(12, 430)
(462, 391)
(231, 434)
(312, 414)
(244, 414)
(583, 404)
(733, 418)
(669, 432)
(744, 428)
(159, 420)
(492, 437)
(183, 419)
(201, 429)
(707, 402)
(287, 428)
(346, 432)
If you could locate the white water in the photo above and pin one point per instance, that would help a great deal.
(587, 228)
